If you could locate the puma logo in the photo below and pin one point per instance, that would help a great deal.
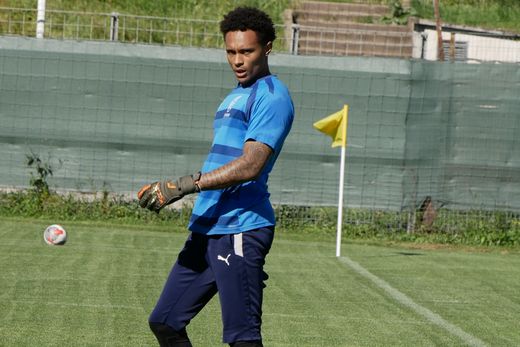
(225, 260)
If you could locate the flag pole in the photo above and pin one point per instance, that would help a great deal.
(340, 202)
(341, 181)
(335, 125)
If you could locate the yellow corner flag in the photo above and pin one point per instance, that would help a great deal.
(335, 126)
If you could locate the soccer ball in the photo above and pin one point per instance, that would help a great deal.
(55, 235)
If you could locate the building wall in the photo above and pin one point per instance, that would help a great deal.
(479, 48)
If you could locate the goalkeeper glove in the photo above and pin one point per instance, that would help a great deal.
(159, 194)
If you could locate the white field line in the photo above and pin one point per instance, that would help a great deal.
(406, 301)
(71, 304)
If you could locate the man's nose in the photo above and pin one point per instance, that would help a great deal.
(238, 60)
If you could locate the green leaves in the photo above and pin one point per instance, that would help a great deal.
(42, 171)
(399, 14)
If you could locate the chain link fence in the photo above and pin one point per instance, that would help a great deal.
(474, 105)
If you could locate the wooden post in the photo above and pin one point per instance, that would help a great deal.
(452, 47)
(440, 50)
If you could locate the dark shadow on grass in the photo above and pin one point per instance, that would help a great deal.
(409, 253)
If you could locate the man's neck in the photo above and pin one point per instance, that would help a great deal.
(259, 77)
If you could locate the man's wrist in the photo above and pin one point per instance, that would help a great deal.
(196, 179)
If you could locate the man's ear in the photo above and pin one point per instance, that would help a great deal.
(268, 47)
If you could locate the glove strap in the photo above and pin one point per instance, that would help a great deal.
(187, 184)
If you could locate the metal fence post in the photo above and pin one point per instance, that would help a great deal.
(114, 26)
(40, 19)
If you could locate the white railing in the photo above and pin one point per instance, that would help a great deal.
(117, 27)
(297, 39)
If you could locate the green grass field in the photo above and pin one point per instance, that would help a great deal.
(98, 289)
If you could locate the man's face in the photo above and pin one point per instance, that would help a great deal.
(246, 56)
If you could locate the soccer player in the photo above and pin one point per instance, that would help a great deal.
(232, 224)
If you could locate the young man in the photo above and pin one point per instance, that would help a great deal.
(232, 225)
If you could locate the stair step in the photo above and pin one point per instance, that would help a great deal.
(354, 26)
(366, 9)
(327, 17)
(374, 36)
(355, 49)
(331, 43)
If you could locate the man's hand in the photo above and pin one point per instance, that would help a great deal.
(159, 194)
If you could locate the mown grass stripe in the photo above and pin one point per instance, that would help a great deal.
(406, 301)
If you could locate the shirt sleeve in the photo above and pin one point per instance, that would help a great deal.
(270, 120)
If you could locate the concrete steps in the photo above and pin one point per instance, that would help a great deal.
(335, 7)
(335, 17)
(308, 33)
(346, 26)
(368, 49)
(325, 28)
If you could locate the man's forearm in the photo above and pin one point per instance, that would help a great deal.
(245, 168)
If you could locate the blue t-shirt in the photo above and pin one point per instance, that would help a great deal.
(262, 112)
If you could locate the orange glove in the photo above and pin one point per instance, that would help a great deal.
(159, 194)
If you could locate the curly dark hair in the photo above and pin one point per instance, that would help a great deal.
(244, 18)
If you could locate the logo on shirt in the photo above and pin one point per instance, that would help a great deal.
(225, 260)
(231, 105)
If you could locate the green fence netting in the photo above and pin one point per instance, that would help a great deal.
(111, 116)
